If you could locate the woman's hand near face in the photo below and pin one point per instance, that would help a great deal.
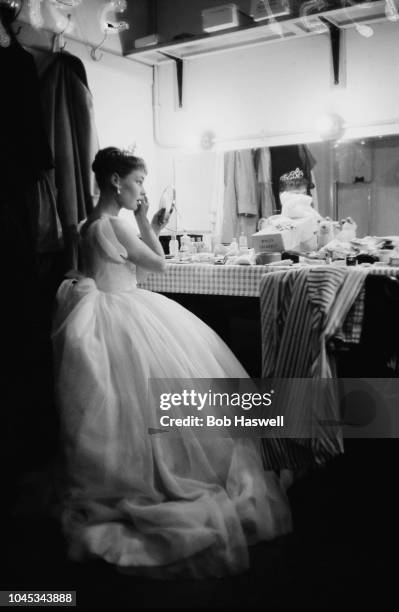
(149, 231)
(142, 208)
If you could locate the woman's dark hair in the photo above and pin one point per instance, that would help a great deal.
(112, 159)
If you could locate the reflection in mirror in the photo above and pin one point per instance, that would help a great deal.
(367, 184)
(358, 178)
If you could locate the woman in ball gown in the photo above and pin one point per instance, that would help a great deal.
(155, 505)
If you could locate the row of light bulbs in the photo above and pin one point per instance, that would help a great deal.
(328, 126)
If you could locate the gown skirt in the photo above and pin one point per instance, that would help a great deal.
(151, 505)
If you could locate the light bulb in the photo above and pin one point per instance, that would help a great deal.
(364, 30)
(207, 140)
(329, 126)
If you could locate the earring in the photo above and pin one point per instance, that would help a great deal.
(118, 190)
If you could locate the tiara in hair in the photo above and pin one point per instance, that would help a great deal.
(126, 152)
(292, 177)
(129, 150)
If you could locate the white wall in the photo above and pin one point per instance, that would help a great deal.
(279, 89)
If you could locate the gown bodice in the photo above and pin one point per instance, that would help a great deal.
(105, 259)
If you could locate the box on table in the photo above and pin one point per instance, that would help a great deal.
(300, 237)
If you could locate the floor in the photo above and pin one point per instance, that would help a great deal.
(341, 551)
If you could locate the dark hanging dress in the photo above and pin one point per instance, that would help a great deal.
(288, 158)
(73, 139)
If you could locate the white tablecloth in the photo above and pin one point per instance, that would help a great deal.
(207, 279)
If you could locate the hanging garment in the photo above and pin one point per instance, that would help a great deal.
(287, 158)
(49, 231)
(24, 137)
(263, 164)
(24, 155)
(24, 150)
(314, 192)
(73, 140)
(230, 217)
(245, 182)
(308, 163)
(241, 200)
(300, 311)
(149, 504)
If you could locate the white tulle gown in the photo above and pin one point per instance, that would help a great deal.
(149, 505)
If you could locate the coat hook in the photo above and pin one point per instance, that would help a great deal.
(59, 43)
(93, 51)
(93, 55)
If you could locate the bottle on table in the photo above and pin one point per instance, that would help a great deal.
(242, 241)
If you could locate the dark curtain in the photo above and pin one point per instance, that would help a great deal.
(24, 156)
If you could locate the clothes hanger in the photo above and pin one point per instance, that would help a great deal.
(93, 51)
(59, 43)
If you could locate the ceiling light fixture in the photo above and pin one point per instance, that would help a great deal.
(207, 140)
(330, 126)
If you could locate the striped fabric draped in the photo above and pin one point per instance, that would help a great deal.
(300, 311)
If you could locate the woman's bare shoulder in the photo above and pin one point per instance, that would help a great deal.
(87, 223)
(123, 226)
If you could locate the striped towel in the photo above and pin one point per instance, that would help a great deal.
(300, 311)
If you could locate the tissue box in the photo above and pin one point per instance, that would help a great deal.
(299, 237)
